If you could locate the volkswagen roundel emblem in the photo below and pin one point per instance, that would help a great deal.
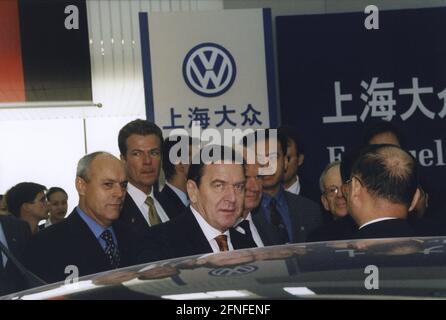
(232, 271)
(209, 69)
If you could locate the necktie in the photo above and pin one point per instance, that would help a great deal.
(111, 250)
(154, 219)
(222, 241)
(277, 222)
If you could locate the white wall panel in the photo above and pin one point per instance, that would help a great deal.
(41, 151)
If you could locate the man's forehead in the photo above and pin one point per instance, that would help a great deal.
(140, 139)
(221, 171)
(108, 166)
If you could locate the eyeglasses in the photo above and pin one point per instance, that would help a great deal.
(332, 191)
(41, 200)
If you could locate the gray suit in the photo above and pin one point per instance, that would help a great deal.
(305, 214)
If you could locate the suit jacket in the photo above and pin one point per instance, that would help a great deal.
(131, 221)
(341, 229)
(305, 215)
(245, 240)
(70, 242)
(17, 234)
(393, 228)
(170, 202)
(176, 238)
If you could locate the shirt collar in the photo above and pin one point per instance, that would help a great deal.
(295, 187)
(137, 195)
(95, 227)
(181, 194)
(209, 231)
(376, 220)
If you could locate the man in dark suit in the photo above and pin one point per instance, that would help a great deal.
(245, 230)
(140, 144)
(295, 154)
(282, 217)
(173, 197)
(14, 235)
(216, 192)
(86, 242)
(382, 189)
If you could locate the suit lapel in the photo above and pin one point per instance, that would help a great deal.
(131, 214)
(85, 241)
(264, 229)
(296, 220)
(198, 241)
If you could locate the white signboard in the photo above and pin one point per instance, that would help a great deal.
(213, 67)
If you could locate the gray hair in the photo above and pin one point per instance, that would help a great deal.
(324, 173)
(83, 166)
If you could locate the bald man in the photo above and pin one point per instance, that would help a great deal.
(382, 189)
(86, 241)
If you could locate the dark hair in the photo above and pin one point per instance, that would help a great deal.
(139, 127)
(292, 134)
(24, 192)
(388, 172)
(196, 169)
(281, 138)
(374, 128)
(53, 190)
(168, 166)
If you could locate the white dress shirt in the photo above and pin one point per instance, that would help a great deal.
(181, 194)
(376, 220)
(140, 197)
(295, 187)
(210, 232)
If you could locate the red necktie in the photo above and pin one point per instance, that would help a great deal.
(222, 241)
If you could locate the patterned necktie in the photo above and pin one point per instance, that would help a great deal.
(277, 222)
(222, 241)
(154, 219)
(111, 251)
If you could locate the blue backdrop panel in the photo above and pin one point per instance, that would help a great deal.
(335, 76)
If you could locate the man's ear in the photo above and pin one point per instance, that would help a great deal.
(300, 159)
(80, 186)
(192, 191)
(356, 188)
(325, 202)
(285, 163)
(416, 197)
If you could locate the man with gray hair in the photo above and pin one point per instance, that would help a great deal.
(86, 241)
(338, 224)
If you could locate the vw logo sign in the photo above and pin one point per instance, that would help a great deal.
(232, 271)
(209, 69)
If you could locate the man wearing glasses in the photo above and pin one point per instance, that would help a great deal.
(27, 201)
(338, 224)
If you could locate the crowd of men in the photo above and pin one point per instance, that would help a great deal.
(229, 203)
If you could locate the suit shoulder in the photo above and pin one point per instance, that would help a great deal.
(301, 200)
